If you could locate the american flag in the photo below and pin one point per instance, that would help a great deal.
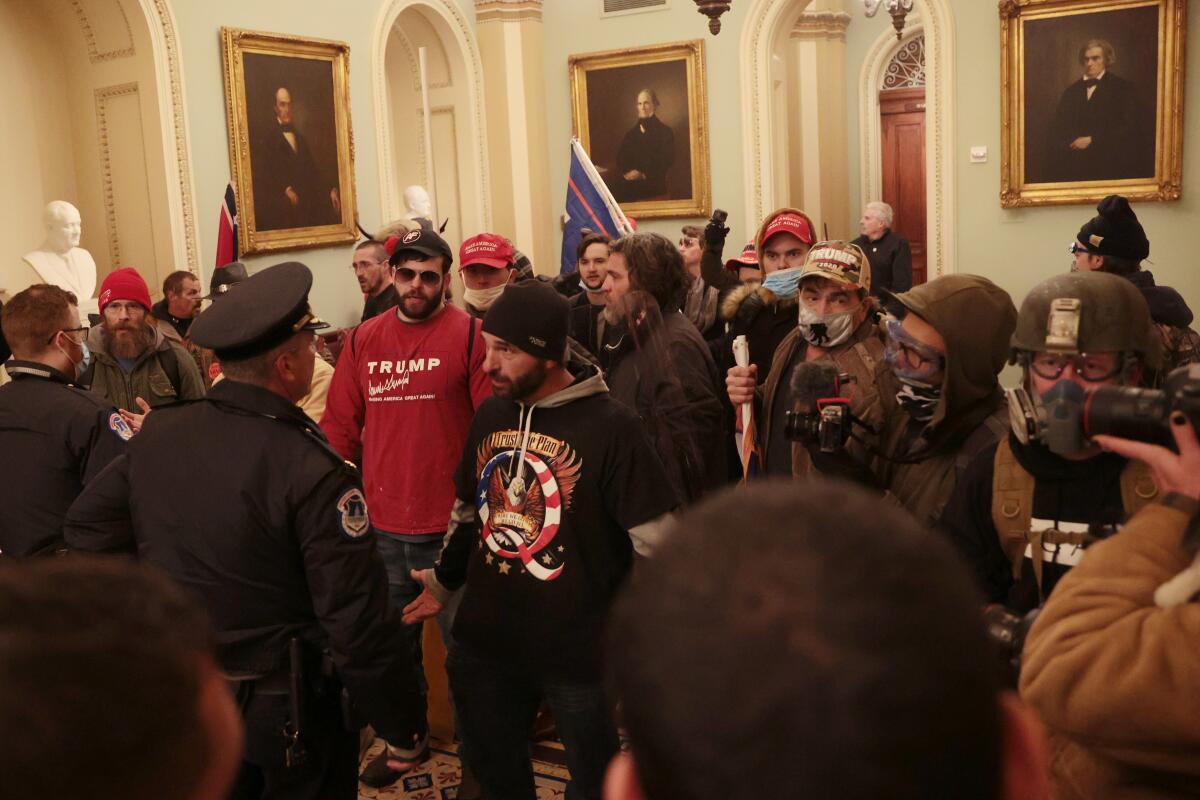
(589, 205)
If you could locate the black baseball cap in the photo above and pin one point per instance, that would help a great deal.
(223, 278)
(266, 310)
(425, 242)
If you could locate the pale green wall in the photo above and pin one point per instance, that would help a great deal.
(1017, 248)
(575, 26)
(198, 22)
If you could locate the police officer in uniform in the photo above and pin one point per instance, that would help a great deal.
(1027, 507)
(55, 436)
(281, 553)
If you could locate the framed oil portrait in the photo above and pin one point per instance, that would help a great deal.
(642, 116)
(1092, 96)
(290, 147)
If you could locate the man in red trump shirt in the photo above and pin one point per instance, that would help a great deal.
(404, 391)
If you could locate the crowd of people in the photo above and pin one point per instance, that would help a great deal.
(772, 515)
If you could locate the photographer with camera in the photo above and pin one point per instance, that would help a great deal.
(947, 341)
(1027, 507)
(835, 326)
(1111, 663)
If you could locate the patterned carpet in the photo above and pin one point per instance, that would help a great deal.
(438, 778)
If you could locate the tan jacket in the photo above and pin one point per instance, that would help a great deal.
(1115, 678)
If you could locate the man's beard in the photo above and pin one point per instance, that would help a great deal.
(520, 386)
(131, 343)
(424, 311)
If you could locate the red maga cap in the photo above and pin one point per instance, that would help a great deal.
(487, 249)
(747, 258)
(791, 223)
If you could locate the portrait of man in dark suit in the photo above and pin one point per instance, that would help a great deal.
(646, 153)
(292, 188)
(1093, 135)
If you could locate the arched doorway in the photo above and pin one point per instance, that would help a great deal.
(902, 134)
(458, 148)
(94, 116)
(765, 178)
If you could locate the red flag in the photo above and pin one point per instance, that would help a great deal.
(227, 229)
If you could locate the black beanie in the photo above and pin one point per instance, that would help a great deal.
(533, 317)
(1115, 231)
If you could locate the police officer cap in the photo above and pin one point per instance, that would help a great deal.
(223, 279)
(423, 241)
(267, 309)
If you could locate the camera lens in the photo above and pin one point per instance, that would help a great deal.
(1126, 412)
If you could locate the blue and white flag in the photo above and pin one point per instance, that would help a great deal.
(589, 205)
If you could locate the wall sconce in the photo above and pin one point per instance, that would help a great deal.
(713, 9)
(897, 8)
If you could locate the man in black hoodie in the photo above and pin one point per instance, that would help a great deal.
(1114, 241)
(558, 486)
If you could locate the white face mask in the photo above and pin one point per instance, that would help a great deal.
(482, 299)
(829, 330)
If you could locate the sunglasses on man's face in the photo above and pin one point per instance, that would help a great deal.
(1076, 248)
(428, 277)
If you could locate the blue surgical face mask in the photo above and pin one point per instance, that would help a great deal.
(82, 365)
(784, 283)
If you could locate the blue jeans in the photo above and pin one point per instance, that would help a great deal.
(498, 705)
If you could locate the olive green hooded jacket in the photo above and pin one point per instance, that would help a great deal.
(976, 319)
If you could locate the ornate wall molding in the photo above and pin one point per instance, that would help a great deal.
(507, 10)
(821, 25)
(477, 162)
(410, 54)
(763, 26)
(104, 95)
(95, 55)
(173, 124)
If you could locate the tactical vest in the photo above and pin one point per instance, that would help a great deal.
(1012, 510)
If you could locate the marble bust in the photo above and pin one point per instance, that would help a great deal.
(60, 260)
(417, 201)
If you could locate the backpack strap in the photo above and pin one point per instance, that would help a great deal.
(1012, 505)
(170, 366)
(470, 339)
(865, 354)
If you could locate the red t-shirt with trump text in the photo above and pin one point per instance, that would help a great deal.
(405, 393)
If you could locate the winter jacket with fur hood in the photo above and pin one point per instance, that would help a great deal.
(976, 319)
(757, 313)
(1115, 676)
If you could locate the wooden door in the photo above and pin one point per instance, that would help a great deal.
(902, 124)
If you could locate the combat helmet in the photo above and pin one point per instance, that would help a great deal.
(1086, 312)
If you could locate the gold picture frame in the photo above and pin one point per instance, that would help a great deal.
(1067, 156)
(293, 191)
(608, 86)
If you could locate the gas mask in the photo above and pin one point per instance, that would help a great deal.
(828, 330)
(1055, 418)
(482, 299)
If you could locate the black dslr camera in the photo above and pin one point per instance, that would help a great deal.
(1144, 414)
(1007, 631)
(828, 427)
(824, 417)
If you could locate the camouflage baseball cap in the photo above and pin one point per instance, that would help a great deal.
(841, 262)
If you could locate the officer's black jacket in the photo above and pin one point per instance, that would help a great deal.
(240, 498)
(55, 437)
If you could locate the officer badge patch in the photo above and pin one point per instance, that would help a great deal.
(119, 426)
(352, 509)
